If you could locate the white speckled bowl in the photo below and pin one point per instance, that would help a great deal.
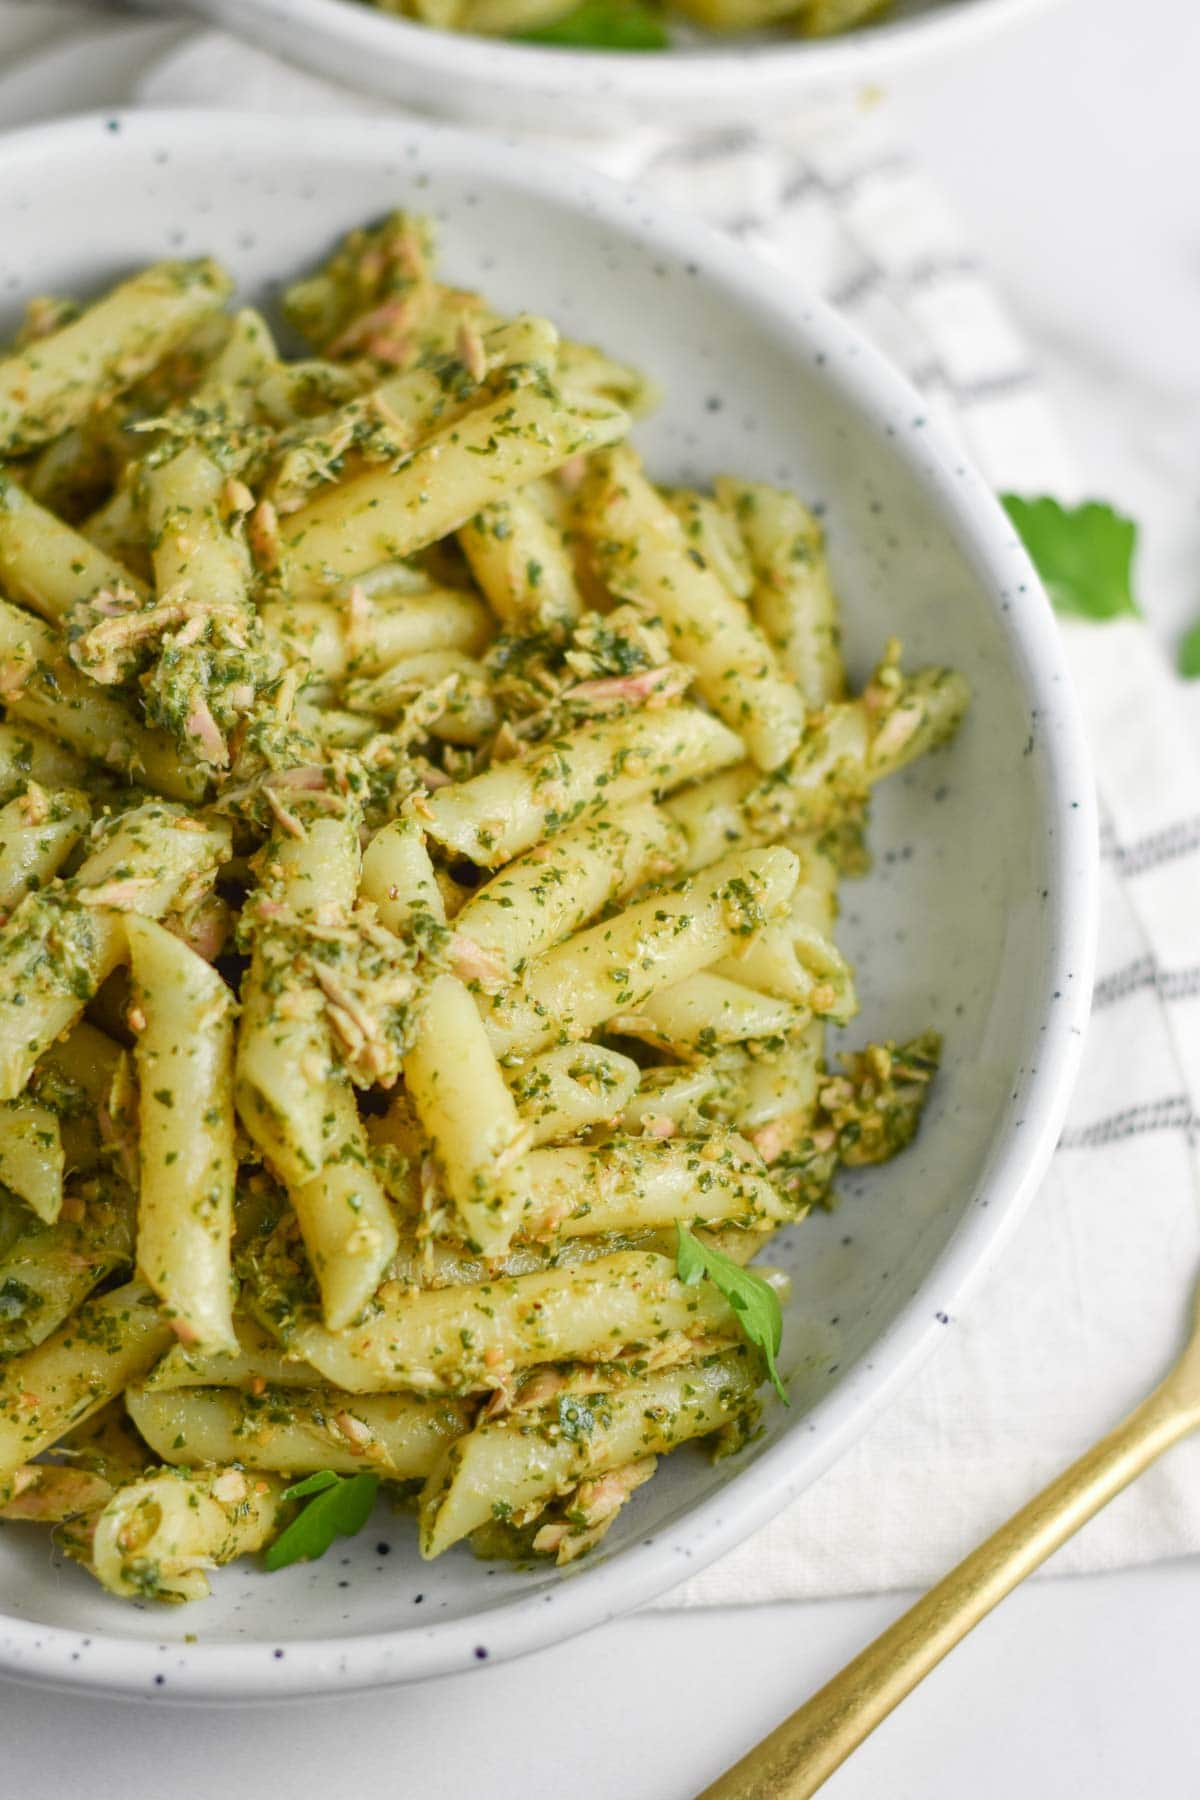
(978, 918)
(702, 80)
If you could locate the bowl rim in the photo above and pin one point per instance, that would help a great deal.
(867, 383)
(684, 75)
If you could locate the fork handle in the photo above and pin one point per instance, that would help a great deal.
(801, 1754)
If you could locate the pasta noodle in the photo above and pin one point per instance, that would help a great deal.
(790, 593)
(615, 967)
(156, 1537)
(51, 1268)
(108, 1343)
(455, 1340)
(299, 1431)
(187, 1162)
(393, 514)
(535, 901)
(41, 688)
(569, 1090)
(370, 631)
(38, 832)
(47, 566)
(518, 1460)
(63, 941)
(469, 1116)
(583, 775)
(27, 754)
(644, 555)
(52, 384)
(420, 835)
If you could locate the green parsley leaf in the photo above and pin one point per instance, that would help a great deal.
(754, 1301)
(602, 25)
(1084, 554)
(339, 1506)
(1189, 654)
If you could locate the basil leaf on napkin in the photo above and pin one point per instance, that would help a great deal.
(1188, 656)
(1084, 554)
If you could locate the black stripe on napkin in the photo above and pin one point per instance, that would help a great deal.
(1135, 977)
(1172, 1114)
(1168, 845)
(1132, 979)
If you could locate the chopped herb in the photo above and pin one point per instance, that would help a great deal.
(576, 1420)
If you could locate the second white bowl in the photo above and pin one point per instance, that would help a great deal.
(705, 83)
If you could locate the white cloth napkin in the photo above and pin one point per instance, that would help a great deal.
(1088, 1305)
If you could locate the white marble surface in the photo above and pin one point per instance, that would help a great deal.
(1073, 150)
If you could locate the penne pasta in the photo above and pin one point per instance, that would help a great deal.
(782, 1085)
(402, 412)
(469, 714)
(232, 381)
(457, 1340)
(256, 1364)
(38, 831)
(108, 1343)
(284, 1052)
(419, 846)
(50, 1269)
(847, 748)
(31, 1156)
(46, 565)
(27, 754)
(366, 632)
(645, 1184)
(42, 688)
(156, 1537)
(791, 596)
(297, 1432)
(523, 564)
(294, 1100)
(570, 1090)
(76, 1078)
(707, 1010)
(197, 554)
(793, 962)
(400, 881)
(687, 1097)
(645, 556)
(375, 517)
(614, 968)
(344, 1216)
(467, 1113)
(187, 1161)
(519, 1461)
(55, 382)
(60, 944)
(584, 775)
(543, 896)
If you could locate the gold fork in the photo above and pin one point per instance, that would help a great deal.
(801, 1754)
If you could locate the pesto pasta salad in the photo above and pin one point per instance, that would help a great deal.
(633, 25)
(419, 852)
